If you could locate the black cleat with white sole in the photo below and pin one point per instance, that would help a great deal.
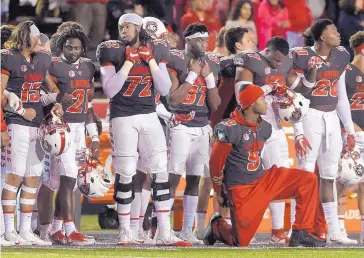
(209, 236)
(305, 239)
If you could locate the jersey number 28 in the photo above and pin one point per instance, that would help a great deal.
(81, 97)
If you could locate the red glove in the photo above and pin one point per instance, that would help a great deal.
(132, 55)
(145, 53)
(302, 146)
(184, 118)
(349, 143)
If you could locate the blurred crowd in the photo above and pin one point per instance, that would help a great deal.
(266, 18)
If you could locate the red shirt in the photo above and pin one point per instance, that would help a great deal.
(299, 15)
(211, 21)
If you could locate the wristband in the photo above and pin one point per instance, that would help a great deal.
(191, 77)
(89, 105)
(210, 81)
(307, 83)
(298, 129)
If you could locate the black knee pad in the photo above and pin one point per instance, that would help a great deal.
(123, 188)
(157, 187)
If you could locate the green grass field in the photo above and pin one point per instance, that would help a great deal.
(183, 253)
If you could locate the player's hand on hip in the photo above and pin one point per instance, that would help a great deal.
(184, 118)
(349, 143)
(132, 55)
(195, 66)
(95, 149)
(29, 114)
(145, 53)
(302, 146)
(205, 69)
(57, 110)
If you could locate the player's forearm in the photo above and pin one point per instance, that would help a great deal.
(162, 112)
(51, 85)
(213, 99)
(49, 98)
(179, 95)
(220, 152)
(343, 106)
(112, 82)
(161, 80)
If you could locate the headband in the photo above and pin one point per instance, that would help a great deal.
(359, 48)
(131, 18)
(198, 35)
(34, 31)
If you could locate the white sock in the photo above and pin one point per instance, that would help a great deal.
(293, 211)
(34, 223)
(57, 224)
(163, 216)
(143, 206)
(69, 227)
(9, 222)
(362, 223)
(189, 211)
(330, 210)
(44, 229)
(2, 224)
(25, 221)
(277, 213)
(171, 202)
(341, 221)
(200, 221)
(134, 213)
(124, 215)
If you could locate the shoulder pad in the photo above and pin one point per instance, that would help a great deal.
(44, 51)
(178, 53)
(56, 59)
(108, 51)
(159, 42)
(223, 130)
(213, 57)
(348, 67)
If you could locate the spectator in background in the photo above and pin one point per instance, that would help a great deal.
(220, 48)
(273, 21)
(6, 31)
(199, 13)
(116, 8)
(242, 16)
(351, 21)
(300, 18)
(91, 14)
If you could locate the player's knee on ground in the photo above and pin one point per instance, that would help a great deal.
(192, 183)
(123, 193)
(160, 189)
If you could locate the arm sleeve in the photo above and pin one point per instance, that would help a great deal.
(111, 81)
(343, 106)
(162, 83)
(220, 152)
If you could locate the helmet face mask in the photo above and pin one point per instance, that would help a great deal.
(351, 168)
(93, 181)
(292, 107)
(54, 135)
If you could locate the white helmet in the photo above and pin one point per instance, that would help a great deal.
(292, 106)
(155, 28)
(54, 134)
(92, 180)
(351, 168)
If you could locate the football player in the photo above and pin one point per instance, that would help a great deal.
(269, 69)
(193, 74)
(23, 68)
(321, 126)
(230, 41)
(236, 156)
(74, 75)
(354, 79)
(129, 76)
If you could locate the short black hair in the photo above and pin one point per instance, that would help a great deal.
(278, 44)
(194, 28)
(71, 33)
(6, 31)
(318, 27)
(308, 39)
(357, 39)
(232, 36)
